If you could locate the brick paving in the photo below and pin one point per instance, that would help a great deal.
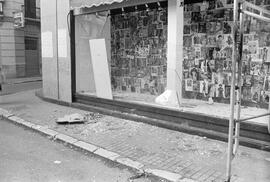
(194, 157)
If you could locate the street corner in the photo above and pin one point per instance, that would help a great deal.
(174, 177)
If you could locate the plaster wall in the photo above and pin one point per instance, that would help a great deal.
(56, 69)
(49, 59)
(173, 94)
(64, 62)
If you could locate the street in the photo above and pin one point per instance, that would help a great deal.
(27, 156)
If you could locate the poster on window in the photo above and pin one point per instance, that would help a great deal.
(138, 41)
(208, 53)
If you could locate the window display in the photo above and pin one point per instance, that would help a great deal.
(138, 50)
(208, 47)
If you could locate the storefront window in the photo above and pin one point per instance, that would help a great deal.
(208, 53)
(138, 50)
(87, 27)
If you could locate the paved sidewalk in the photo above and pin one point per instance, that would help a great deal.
(23, 80)
(191, 156)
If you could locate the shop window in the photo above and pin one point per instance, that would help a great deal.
(87, 27)
(208, 47)
(138, 50)
(1, 8)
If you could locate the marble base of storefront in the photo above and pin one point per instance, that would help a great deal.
(193, 116)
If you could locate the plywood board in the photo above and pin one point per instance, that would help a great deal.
(100, 68)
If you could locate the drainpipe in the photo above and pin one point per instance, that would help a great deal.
(57, 59)
(269, 115)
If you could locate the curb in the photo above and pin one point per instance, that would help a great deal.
(112, 156)
(24, 81)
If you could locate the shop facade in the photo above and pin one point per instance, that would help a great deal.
(158, 52)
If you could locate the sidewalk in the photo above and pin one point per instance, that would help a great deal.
(23, 80)
(190, 156)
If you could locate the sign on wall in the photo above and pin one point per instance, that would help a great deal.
(47, 44)
(18, 19)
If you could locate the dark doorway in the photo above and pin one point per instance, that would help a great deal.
(31, 57)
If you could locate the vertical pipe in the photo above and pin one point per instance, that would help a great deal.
(72, 55)
(269, 112)
(232, 95)
(57, 59)
(239, 80)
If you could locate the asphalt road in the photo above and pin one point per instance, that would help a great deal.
(27, 156)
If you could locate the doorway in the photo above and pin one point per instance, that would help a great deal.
(31, 57)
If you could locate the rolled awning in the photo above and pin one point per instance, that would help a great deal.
(91, 3)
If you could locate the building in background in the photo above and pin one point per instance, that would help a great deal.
(20, 50)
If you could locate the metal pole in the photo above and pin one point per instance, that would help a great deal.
(232, 95)
(253, 117)
(269, 115)
(57, 58)
(239, 80)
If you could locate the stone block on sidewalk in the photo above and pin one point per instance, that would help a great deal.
(2, 111)
(186, 180)
(27, 124)
(7, 114)
(48, 131)
(164, 174)
(130, 163)
(17, 120)
(36, 127)
(66, 138)
(86, 146)
(107, 154)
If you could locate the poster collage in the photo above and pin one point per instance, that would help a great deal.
(138, 49)
(208, 48)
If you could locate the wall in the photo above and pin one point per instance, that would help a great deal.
(12, 41)
(12, 48)
(55, 50)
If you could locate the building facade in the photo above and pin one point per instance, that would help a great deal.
(20, 45)
(157, 51)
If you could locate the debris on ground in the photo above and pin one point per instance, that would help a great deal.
(93, 117)
(72, 118)
(57, 162)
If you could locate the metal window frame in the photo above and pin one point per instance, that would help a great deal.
(1, 8)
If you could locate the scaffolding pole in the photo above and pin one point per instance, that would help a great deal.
(240, 9)
(232, 94)
(239, 79)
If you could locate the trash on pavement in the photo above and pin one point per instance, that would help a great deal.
(72, 118)
(57, 162)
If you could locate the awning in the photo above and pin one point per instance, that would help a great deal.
(91, 3)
